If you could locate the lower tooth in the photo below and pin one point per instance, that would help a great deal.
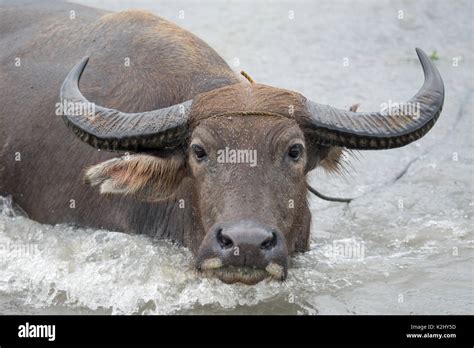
(211, 263)
(275, 270)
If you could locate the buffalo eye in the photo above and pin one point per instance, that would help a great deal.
(295, 151)
(199, 152)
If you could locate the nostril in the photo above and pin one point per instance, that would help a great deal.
(224, 241)
(270, 242)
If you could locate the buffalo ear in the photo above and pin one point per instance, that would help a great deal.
(334, 156)
(146, 177)
(333, 159)
(330, 158)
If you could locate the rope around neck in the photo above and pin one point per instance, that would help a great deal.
(327, 198)
(247, 76)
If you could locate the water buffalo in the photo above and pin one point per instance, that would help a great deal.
(207, 158)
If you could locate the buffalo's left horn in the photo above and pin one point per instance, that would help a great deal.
(113, 130)
(394, 127)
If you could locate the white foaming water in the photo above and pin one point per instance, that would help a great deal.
(63, 269)
(404, 246)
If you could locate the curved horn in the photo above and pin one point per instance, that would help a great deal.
(394, 127)
(113, 130)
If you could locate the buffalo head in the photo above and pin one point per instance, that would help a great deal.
(244, 151)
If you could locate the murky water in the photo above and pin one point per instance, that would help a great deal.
(403, 246)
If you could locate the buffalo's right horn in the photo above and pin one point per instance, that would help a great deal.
(113, 130)
(394, 127)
